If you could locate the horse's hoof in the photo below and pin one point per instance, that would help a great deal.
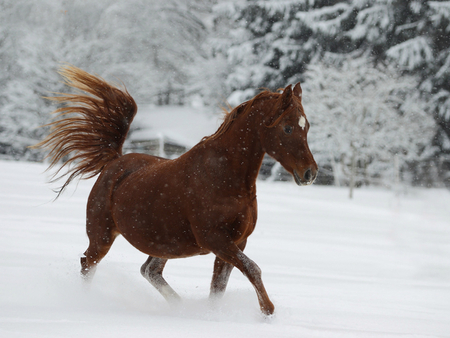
(268, 310)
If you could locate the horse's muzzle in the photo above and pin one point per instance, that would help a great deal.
(309, 176)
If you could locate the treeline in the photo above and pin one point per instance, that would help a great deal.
(375, 72)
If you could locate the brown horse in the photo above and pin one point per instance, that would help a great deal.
(202, 202)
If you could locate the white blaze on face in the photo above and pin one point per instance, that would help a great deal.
(302, 122)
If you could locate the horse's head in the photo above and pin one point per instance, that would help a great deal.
(285, 135)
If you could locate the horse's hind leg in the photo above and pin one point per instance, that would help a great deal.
(101, 232)
(97, 249)
(152, 271)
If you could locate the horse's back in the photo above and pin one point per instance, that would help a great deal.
(127, 165)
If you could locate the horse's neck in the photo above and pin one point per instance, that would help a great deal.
(240, 148)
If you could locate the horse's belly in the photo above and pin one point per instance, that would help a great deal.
(162, 235)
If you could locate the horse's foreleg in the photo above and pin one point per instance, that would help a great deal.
(219, 243)
(152, 271)
(221, 275)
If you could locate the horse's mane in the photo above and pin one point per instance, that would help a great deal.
(231, 115)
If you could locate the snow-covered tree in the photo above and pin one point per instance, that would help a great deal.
(367, 122)
(151, 46)
(272, 42)
(414, 35)
(155, 47)
(27, 40)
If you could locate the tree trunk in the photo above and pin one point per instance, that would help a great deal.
(274, 172)
(396, 175)
(336, 174)
(352, 172)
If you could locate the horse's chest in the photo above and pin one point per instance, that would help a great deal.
(243, 225)
(236, 216)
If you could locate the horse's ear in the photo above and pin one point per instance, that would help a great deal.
(298, 90)
(286, 96)
(283, 105)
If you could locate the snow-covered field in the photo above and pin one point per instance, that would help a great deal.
(375, 266)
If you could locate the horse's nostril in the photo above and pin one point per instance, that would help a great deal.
(308, 174)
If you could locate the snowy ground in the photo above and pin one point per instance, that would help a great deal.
(377, 266)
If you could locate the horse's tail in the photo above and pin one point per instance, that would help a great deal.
(91, 127)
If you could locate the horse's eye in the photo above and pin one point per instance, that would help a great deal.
(288, 129)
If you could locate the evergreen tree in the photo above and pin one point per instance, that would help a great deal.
(414, 35)
(25, 49)
(273, 43)
(367, 121)
(148, 45)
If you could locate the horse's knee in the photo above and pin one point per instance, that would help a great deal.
(249, 268)
(154, 277)
(145, 271)
(256, 271)
(152, 270)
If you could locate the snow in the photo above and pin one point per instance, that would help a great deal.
(374, 266)
(412, 53)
